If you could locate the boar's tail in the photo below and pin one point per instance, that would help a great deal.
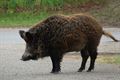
(110, 35)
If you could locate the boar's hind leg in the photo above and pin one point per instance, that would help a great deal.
(56, 59)
(93, 55)
(84, 55)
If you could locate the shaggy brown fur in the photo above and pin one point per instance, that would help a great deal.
(60, 34)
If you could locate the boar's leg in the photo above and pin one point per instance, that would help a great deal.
(84, 55)
(93, 55)
(56, 59)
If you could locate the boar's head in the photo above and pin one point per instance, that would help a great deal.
(33, 46)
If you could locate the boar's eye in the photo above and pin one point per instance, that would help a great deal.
(29, 37)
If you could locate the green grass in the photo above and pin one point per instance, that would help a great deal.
(25, 13)
(106, 58)
(13, 5)
(111, 59)
(21, 19)
(117, 59)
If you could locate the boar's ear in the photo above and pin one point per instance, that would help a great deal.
(22, 34)
(27, 36)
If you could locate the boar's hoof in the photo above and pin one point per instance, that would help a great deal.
(80, 70)
(89, 70)
(55, 72)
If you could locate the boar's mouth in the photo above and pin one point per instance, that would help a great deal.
(27, 58)
(34, 57)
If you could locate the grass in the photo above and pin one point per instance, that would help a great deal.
(106, 58)
(25, 13)
(48, 4)
(111, 59)
(21, 19)
(117, 60)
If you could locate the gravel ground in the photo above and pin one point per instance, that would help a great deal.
(12, 68)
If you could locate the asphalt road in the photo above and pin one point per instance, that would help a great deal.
(12, 68)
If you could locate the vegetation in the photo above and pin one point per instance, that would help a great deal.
(105, 58)
(25, 13)
(111, 59)
(21, 19)
(11, 6)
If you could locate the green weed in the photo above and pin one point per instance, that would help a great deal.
(21, 19)
(31, 5)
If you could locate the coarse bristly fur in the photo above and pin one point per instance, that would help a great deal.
(59, 34)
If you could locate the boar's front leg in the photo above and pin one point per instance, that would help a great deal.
(56, 59)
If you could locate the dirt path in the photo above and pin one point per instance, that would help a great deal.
(11, 68)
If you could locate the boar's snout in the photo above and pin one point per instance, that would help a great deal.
(28, 56)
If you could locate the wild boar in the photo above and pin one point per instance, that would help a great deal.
(59, 34)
